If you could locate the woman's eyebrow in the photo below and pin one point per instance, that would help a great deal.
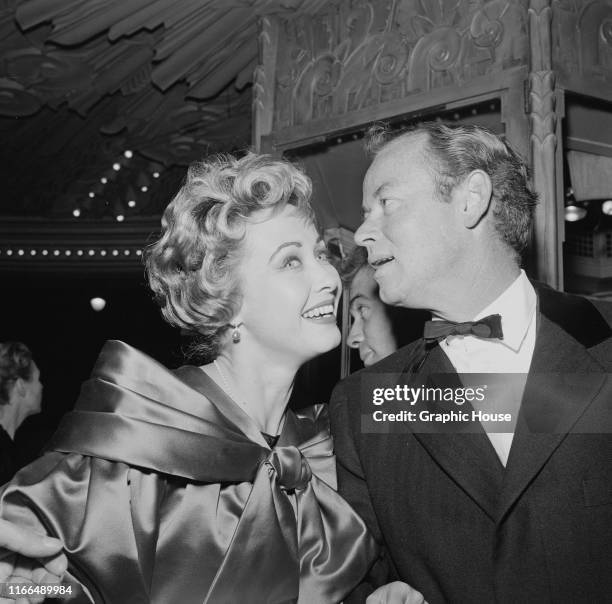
(284, 245)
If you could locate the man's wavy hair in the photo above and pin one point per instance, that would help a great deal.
(15, 363)
(192, 268)
(453, 151)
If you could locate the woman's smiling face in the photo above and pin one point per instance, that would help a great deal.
(289, 289)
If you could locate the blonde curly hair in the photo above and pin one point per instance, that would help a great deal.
(192, 268)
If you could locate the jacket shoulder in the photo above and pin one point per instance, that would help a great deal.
(576, 315)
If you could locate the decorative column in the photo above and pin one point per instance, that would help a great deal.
(543, 145)
(263, 85)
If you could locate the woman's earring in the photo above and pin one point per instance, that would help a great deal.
(236, 332)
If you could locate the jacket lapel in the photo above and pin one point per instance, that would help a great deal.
(467, 457)
(563, 381)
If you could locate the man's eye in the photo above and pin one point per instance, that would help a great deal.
(291, 262)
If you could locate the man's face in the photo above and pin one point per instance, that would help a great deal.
(414, 239)
(371, 330)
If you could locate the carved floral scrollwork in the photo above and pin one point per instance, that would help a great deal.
(390, 60)
(315, 86)
(358, 53)
(606, 31)
(358, 23)
(436, 52)
(605, 45)
(486, 32)
(582, 38)
(325, 74)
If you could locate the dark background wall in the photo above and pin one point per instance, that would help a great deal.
(52, 315)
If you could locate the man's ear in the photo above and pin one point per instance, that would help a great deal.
(478, 190)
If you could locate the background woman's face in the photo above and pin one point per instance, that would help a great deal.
(289, 289)
(371, 330)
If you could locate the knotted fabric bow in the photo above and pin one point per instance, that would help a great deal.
(296, 540)
(487, 327)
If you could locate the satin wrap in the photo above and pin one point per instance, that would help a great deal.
(164, 491)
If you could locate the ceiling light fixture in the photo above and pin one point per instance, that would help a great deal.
(97, 303)
(574, 213)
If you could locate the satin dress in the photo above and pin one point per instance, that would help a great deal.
(163, 490)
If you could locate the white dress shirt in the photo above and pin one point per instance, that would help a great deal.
(470, 354)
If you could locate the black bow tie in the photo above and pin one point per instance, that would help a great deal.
(487, 327)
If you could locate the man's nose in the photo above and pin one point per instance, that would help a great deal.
(365, 233)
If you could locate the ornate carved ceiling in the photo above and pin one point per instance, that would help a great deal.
(83, 81)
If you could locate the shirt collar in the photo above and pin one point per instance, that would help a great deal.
(516, 305)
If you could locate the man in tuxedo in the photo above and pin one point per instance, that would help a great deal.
(475, 515)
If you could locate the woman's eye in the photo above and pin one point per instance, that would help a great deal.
(291, 262)
(324, 255)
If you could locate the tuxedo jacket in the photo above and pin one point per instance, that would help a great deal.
(458, 526)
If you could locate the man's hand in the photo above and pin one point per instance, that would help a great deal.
(28, 557)
(396, 593)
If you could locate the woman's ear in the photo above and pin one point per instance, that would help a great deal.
(478, 192)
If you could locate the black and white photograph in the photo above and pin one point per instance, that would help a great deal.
(306, 301)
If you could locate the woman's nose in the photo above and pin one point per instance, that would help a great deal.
(355, 335)
(328, 278)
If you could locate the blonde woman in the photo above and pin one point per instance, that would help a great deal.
(199, 485)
